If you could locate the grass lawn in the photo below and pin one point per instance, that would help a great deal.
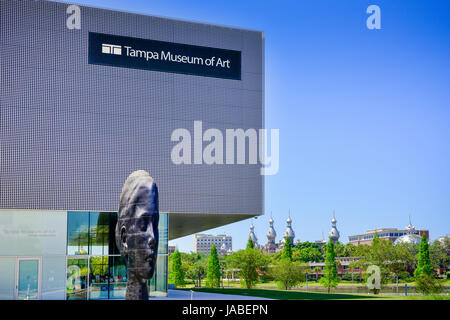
(273, 284)
(302, 295)
(284, 295)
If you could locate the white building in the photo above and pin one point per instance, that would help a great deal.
(204, 242)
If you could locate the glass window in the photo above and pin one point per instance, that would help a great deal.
(28, 283)
(53, 278)
(105, 277)
(77, 233)
(118, 278)
(77, 272)
(98, 277)
(91, 233)
(163, 229)
(99, 233)
(158, 284)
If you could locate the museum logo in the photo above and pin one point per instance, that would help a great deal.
(111, 49)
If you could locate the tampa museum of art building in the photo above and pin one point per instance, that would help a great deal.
(88, 96)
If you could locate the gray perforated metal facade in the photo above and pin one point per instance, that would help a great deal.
(71, 132)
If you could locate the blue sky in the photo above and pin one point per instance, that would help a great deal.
(364, 115)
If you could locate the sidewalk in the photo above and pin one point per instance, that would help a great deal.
(186, 295)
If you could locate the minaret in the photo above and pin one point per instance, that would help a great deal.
(334, 233)
(411, 229)
(252, 235)
(271, 234)
(289, 233)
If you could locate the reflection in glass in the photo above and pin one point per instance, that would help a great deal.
(77, 233)
(98, 277)
(93, 234)
(98, 233)
(118, 278)
(158, 284)
(107, 277)
(28, 287)
(163, 228)
(77, 271)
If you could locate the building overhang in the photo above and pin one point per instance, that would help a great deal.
(183, 224)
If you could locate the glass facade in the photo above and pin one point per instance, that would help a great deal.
(91, 233)
(97, 271)
(77, 277)
(68, 255)
(28, 282)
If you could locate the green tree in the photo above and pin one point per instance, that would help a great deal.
(393, 260)
(440, 253)
(250, 243)
(423, 260)
(307, 244)
(213, 272)
(288, 274)
(427, 284)
(286, 253)
(400, 259)
(330, 278)
(339, 248)
(176, 274)
(379, 253)
(249, 261)
(196, 267)
(307, 254)
(349, 250)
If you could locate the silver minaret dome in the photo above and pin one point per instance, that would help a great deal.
(252, 234)
(334, 233)
(411, 237)
(271, 234)
(289, 233)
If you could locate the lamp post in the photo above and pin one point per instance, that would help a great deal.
(307, 281)
(397, 284)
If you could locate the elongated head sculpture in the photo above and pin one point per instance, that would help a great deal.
(137, 231)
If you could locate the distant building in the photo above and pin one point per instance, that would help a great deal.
(343, 267)
(172, 249)
(443, 239)
(321, 242)
(224, 250)
(204, 242)
(410, 235)
(272, 246)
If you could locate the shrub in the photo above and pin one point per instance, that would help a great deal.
(288, 274)
(347, 277)
(427, 284)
